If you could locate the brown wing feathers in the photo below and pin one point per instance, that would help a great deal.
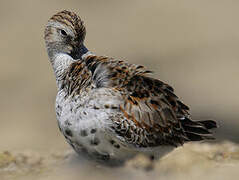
(108, 72)
(152, 114)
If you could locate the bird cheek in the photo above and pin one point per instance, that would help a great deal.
(74, 44)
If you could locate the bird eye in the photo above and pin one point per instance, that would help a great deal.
(63, 32)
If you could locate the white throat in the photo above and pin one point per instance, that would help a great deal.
(61, 62)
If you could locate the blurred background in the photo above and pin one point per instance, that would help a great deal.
(192, 45)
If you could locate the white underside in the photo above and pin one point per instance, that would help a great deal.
(87, 112)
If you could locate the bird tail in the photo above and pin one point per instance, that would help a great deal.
(198, 130)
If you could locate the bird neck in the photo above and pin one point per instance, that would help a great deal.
(60, 63)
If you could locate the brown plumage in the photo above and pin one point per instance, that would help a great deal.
(120, 99)
(152, 114)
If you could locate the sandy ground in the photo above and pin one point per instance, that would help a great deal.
(192, 161)
(192, 45)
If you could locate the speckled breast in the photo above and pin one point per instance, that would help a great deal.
(85, 122)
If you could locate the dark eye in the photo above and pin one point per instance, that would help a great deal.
(63, 32)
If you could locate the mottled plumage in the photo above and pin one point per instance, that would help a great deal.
(110, 108)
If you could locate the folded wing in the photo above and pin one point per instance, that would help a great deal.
(150, 113)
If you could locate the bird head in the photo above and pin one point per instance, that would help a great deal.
(65, 33)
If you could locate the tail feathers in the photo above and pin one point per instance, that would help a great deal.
(198, 137)
(198, 130)
(209, 124)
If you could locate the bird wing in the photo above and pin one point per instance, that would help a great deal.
(150, 113)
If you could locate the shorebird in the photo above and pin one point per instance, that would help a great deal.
(109, 108)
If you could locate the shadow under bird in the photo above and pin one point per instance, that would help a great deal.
(111, 109)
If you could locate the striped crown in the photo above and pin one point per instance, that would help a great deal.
(71, 20)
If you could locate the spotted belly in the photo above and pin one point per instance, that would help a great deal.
(86, 130)
(86, 125)
(95, 143)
